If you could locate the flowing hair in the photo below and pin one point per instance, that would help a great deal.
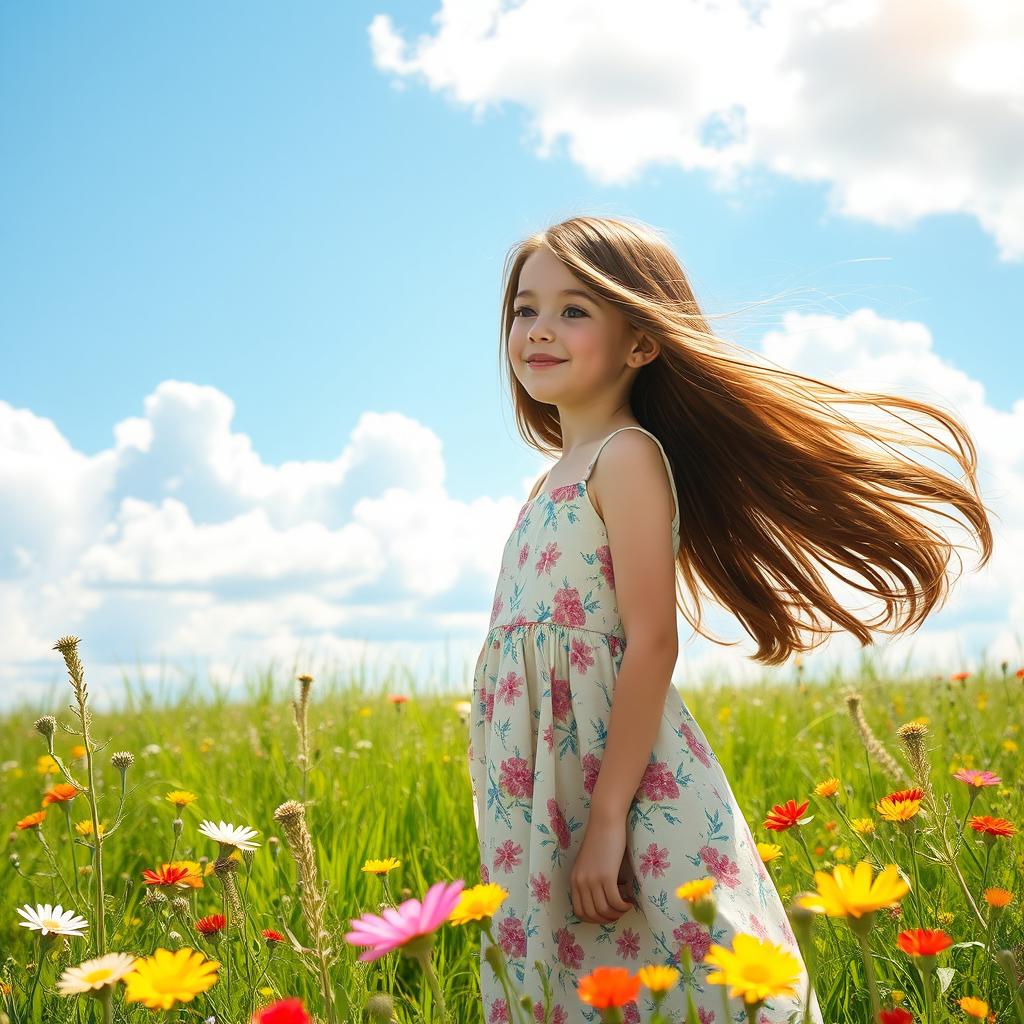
(771, 477)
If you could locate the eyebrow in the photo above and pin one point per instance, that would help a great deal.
(564, 291)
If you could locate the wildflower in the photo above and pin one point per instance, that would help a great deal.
(769, 852)
(996, 897)
(841, 853)
(945, 917)
(211, 924)
(33, 820)
(991, 827)
(60, 794)
(405, 922)
(239, 836)
(608, 986)
(96, 974)
(46, 765)
(959, 677)
(702, 902)
(49, 919)
(271, 936)
(193, 877)
(785, 816)
(827, 788)
(78, 751)
(46, 726)
(478, 903)
(84, 827)
(976, 777)
(658, 977)
(397, 699)
(122, 760)
(850, 892)
(755, 968)
(284, 1011)
(165, 875)
(973, 1007)
(380, 867)
(181, 798)
(862, 826)
(923, 941)
(166, 978)
(900, 806)
(897, 1015)
(463, 708)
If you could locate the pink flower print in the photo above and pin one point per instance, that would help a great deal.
(723, 870)
(654, 861)
(628, 944)
(509, 688)
(546, 560)
(506, 856)
(498, 1013)
(694, 935)
(758, 928)
(521, 516)
(499, 603)
(548, 735)
(568, 608)
(581, 655)
(558, 1013)
(658, 782)
(604, 556)
(558, 824)
(570, 952)
(561, 698)
(524, 553)
(519, 620)
(631, 1013)
(489, 705)
(706, 1016)
(567, 493)
(615, 644)
(591, 767)
(516, 777)
(541, 887)
(511, 936)
(697, 748)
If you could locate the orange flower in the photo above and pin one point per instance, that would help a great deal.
(973, 1007)
(165, 875)
(608, 986)
(992, 826)
(901, 805)
(60, 793)
(959, 677)
(923, 941)
(827, 788)
(33, 820)
(996, 897)
(784, 816)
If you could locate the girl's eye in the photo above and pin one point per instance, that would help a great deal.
(519, 309)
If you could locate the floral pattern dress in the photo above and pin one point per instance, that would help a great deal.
(542, 695)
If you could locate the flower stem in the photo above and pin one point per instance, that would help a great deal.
(869, 971)
(435, 989)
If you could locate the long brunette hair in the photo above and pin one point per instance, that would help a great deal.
(771, 477)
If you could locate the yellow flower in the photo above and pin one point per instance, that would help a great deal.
(755, 968)
(769, 852)
(981, 703)
(205, 745)
(235, 854)
(945, 917)
(84, 827)
(266, 991)
(973, 1007)
(1010, 746)
(724, 713)
(695, 890)
(165, 978)
(194, 878)
(46, 765)
(862, 826)
(477, 903)
(380, 867)
(841, 853)
(365, 712)
(852, 893)
(897, 995)
(897, 810)
(658, 977)
(827, 788)
(181, 798)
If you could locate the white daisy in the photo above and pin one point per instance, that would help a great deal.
(239, 836)
(52, 920)
(95, 974)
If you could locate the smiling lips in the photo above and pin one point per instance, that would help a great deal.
(544, 361)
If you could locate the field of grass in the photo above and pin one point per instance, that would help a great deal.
(389, 779)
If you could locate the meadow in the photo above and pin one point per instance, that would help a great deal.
(243, 834)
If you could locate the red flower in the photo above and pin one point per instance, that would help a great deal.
(271, 936)
(895, 1016)
(284, 1011)
(923, 941)
(166, 874)
(60, 794)
(783, 816)
(211, 925)
(905, 794)
(992, 826)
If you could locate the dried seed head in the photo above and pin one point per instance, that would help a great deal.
(46, 726)
(67, 645)
(154, 898)
(122, 760)
(180, 905)
(380, 1008)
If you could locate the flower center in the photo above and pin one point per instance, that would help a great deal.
(99, 974)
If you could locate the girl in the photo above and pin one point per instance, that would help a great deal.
(596, 794)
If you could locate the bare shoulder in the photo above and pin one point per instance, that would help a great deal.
(630, 471)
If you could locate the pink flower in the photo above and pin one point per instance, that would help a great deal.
(516, 777)
(694, 935)
(499, 603)
(509, 688)
(658, 782)
(506, 856)
(977, 777)
(558, 824)
(541, 888)
(405, 922)
(591, 764)
(654, 861)
(697, 748)
(566, 493)
(561, 697)
(628, 944)
(604, 556)
(512, 936)
(547, 559)
(724, 871)
(524, 553)
(581, 655)
(568, 608)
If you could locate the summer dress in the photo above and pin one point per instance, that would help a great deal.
(542, 696)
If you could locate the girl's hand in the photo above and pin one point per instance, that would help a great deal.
(599, 877)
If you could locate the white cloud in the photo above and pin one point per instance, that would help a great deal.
(903, 109)
(180, 549)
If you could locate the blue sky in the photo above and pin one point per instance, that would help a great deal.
(294, 208)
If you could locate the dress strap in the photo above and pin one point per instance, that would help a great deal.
(668, 469)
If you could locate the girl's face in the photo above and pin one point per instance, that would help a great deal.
(552, 318)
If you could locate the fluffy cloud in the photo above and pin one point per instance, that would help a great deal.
(179, 546)
(902, 109)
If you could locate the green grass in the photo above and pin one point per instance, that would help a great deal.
(392, 781)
